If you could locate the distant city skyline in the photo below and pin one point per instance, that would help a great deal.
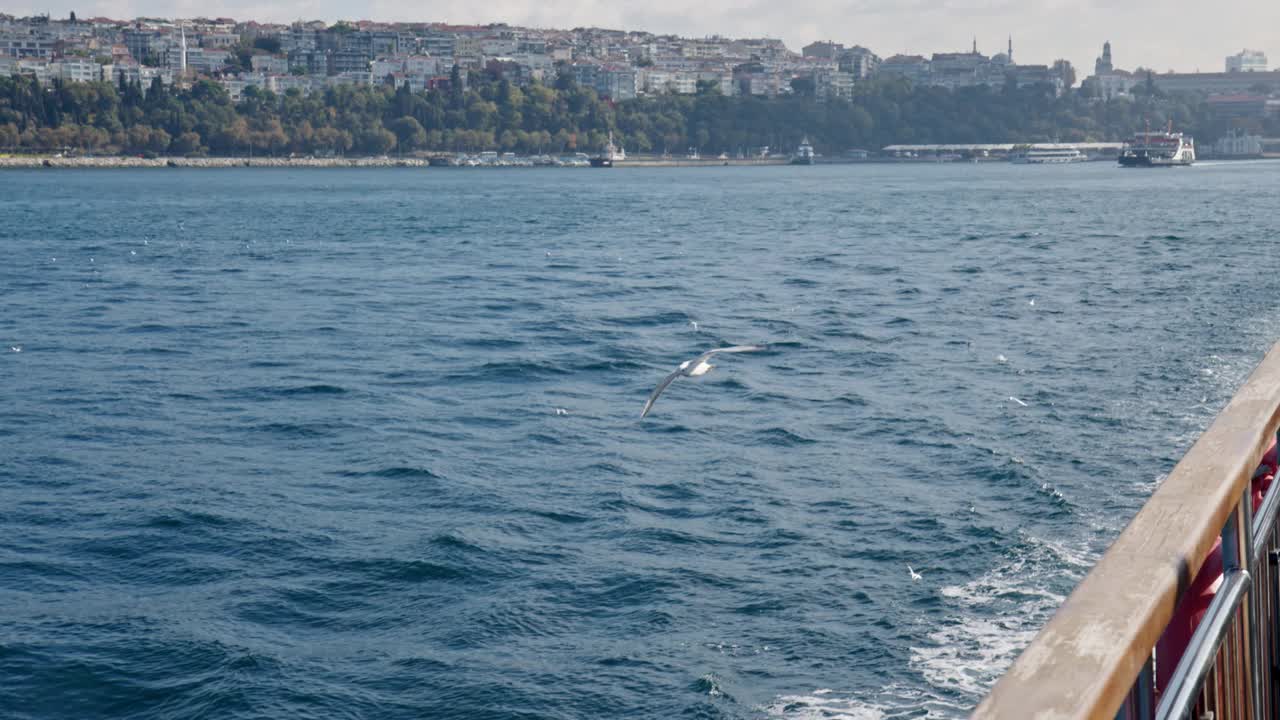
(887, 27)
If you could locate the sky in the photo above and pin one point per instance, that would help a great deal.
(1182, 35)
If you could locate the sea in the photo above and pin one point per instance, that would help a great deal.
(366, 443)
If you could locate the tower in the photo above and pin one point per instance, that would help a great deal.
(183, 47)
(975, 44)
(1103, 64)
(1010, 53)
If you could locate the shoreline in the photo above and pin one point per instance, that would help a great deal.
(39, 162)
(35, 162)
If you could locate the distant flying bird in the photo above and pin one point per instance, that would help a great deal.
(561, 411)
(16, 348)
(694, 323)
(1032, 303)
(914, 575)
(1017, 401)
(694, 368)
(1001, 358)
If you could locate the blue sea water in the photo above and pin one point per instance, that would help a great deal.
(365, 443)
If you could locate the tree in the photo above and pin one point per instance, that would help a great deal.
(377, 140)
(269, 44)
(455, 87)
(9, 136)
(188, 143)
(409, 133)
(712, 87)
(158, 142)
(493, 113)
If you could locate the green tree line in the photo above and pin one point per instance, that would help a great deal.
(492, 113)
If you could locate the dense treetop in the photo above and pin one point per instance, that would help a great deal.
(493, 114)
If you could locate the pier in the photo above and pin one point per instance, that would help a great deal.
(1099, 656)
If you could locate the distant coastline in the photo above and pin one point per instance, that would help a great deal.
(109, 162)
(28, 162)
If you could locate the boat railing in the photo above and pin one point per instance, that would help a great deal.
(1097, 656)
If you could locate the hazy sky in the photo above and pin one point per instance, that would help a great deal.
(1185, 35)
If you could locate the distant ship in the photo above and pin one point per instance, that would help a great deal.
(804, 154)
(610, 155)
(1158, 149)
(1042, 156)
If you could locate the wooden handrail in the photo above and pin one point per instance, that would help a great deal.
(1086, 658)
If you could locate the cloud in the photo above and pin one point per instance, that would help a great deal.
(1182, 34)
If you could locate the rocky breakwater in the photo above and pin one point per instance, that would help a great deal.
(35, 161)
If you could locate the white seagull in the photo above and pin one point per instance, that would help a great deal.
(16, 348)
(914, 575)
(694, 368)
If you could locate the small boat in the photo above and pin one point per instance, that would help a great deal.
(611, 154)
(804, 154)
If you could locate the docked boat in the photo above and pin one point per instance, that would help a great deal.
(804, 154)
(611, 154)
(1158, 149)
(1047, 156)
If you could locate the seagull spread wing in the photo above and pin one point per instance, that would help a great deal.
(648, 404)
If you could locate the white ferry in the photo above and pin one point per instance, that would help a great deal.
(804, 154)
(1158, 149)
(1045, 156)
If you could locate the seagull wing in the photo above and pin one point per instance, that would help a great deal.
(648, 404)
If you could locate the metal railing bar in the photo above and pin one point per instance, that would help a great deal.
(1264, 522)
(1184, 687)
(1273, 562)
(1250, 661)
(1144, 691)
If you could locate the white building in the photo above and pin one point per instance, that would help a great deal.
(237, 85)
(1247, 61)
(1238, 145)
(656, 81)
(722, 78)
(1116, 83)
(141, 74)
(23, 42)
(269, 64)
(200, 60)
(280, 84)
(39, 69)
(423, 66)
(833, 85)
(219, 40)
(76, 70)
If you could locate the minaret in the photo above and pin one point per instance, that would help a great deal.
(183, 62)
(975, 44)
(1010, 49)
